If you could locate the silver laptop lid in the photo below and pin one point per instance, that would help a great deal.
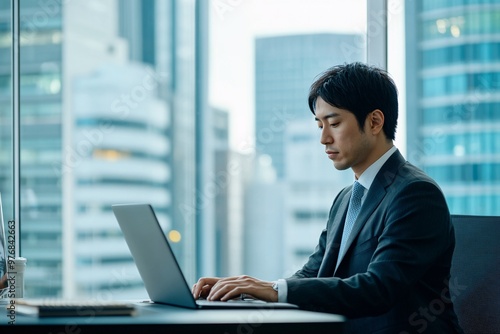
(158, 267)
(153, 256)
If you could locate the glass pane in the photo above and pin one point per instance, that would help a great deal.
(199, 108)
(264, 55)
(453, 84)
(97, 100)
(6, 150)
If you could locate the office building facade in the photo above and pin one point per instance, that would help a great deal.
(99, 104)
(453, 99)
(83, 103)
(170, 35)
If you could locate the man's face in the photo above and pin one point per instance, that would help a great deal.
(345, 144)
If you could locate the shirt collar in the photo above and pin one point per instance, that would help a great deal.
(366, 179)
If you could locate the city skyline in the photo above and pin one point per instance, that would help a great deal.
(233, 31)
(134, 110)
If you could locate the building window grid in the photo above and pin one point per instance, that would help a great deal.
(460, 83)
(468, 143)
(482, 112)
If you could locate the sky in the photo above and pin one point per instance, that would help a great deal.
(234, 25)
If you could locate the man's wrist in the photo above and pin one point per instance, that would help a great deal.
(281, 287)
(274, 285)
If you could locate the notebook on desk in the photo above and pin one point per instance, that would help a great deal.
(164, 281)
(50, 307)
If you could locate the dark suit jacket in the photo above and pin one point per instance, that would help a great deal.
(394, 275)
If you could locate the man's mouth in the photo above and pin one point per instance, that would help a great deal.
(332, 154)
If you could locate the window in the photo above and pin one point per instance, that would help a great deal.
(200, 108)
(6, 117)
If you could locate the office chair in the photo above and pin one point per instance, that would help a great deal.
(475, 273)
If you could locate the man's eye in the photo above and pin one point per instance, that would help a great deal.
(334, 124)
(320, 127)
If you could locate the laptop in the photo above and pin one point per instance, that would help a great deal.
(162, 276)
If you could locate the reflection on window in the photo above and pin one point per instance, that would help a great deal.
(41, 84)
(472, 21)
(120, 104)
(35, 37)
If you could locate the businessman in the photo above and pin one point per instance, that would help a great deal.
(384, 258)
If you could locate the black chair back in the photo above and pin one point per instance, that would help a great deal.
(475, 273)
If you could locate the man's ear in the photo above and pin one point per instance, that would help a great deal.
(376, 121)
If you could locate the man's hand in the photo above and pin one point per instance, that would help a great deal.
(202, 288)
(213, 288)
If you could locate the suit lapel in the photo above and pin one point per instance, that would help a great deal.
(333, 243)
(373, 198)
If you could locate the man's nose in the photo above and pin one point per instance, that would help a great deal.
(326, 138)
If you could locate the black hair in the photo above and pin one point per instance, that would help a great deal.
(359, 89)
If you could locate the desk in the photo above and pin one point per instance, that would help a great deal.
(156, 318)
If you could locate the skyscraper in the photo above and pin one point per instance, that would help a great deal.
(170, 35)
(453, 87)
(120, 150)
(99, 104)
(285, 68)
(83, 103)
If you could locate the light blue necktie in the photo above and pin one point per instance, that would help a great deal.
(352, 213)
